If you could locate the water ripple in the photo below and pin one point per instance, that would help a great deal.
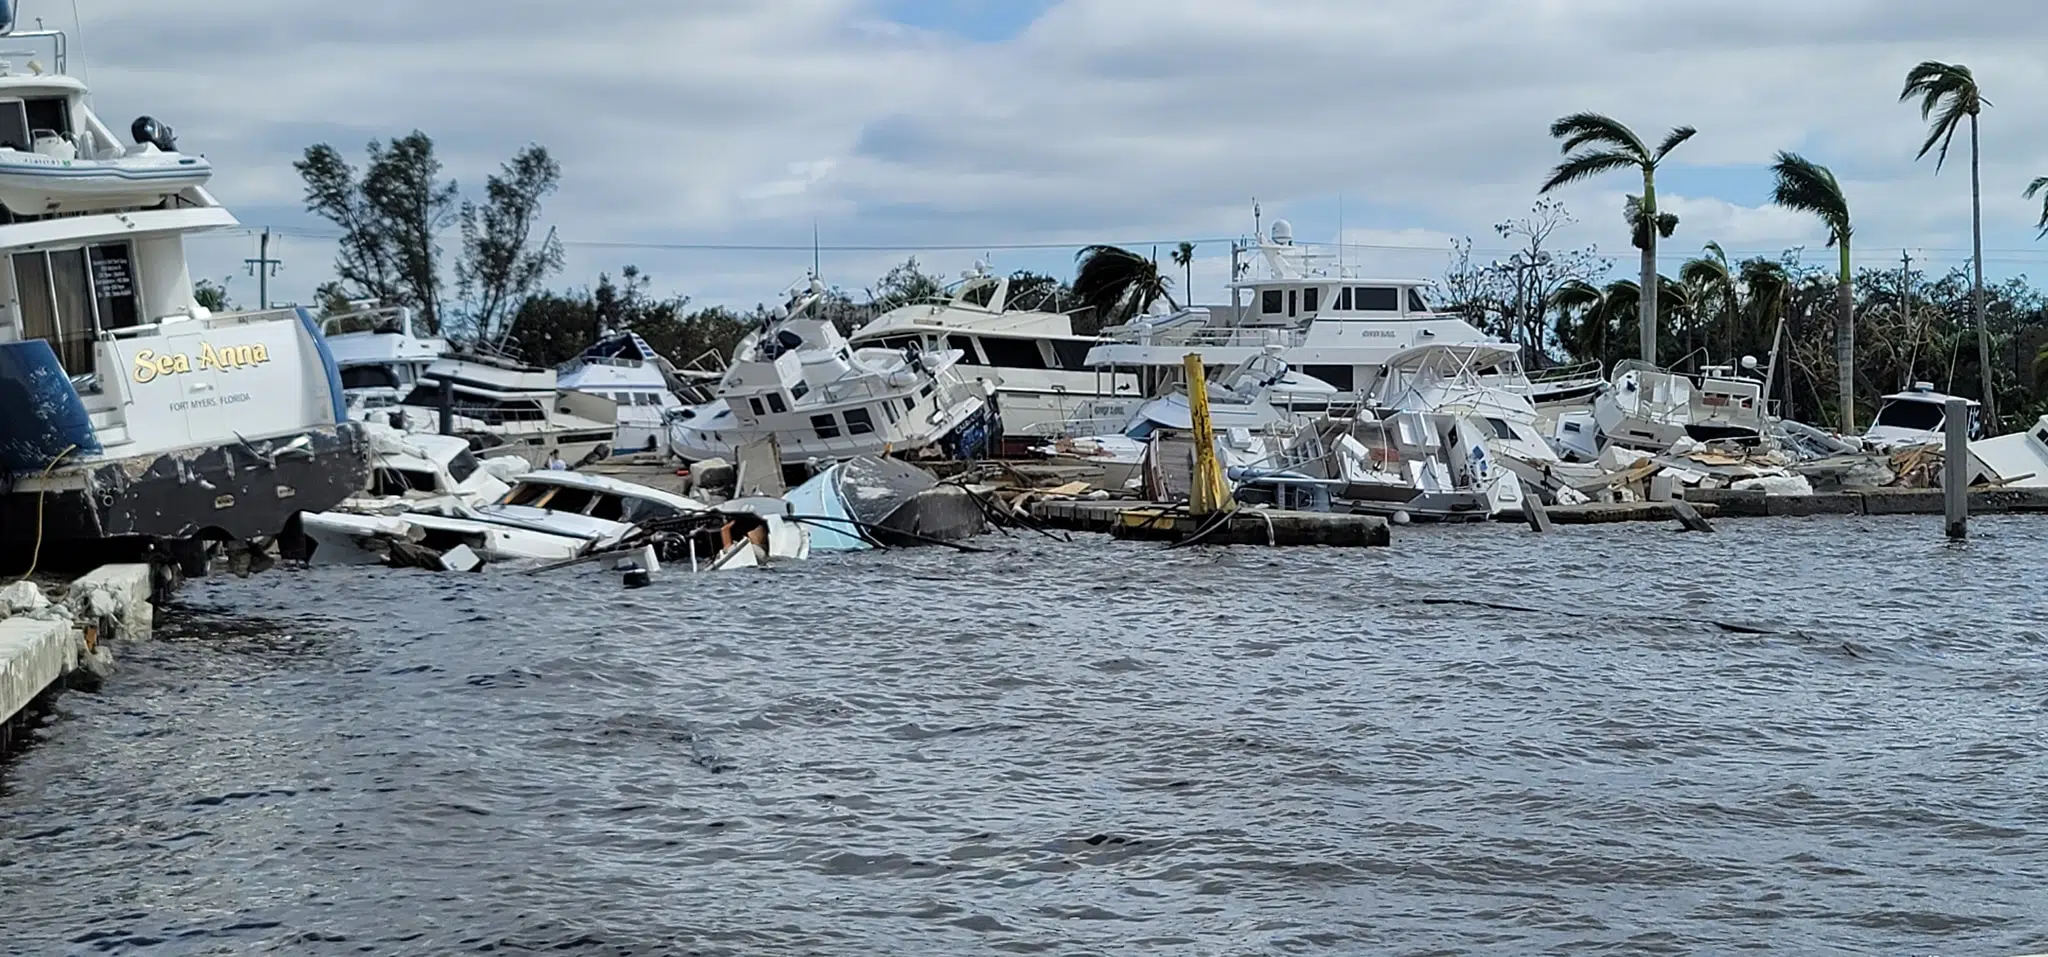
(1818, 736)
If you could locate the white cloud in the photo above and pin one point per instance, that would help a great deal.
(688, 123)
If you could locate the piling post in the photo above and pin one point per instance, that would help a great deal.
(1209, 494)
(1955, 468)
(447, 406)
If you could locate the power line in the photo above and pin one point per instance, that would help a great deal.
(1961, 253)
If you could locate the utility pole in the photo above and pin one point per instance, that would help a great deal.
(263, 267)
(1906, 309)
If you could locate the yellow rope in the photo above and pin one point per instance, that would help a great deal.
(42, 491)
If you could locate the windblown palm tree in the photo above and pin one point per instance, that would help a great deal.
(1118, 283)
(1184, 257)
(1712, 274)
(1808, 187)
(1610, 146)
(1590, 318)
(1948, 94)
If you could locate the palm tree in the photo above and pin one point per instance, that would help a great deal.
(1948, 93)
(1184, 257)
(1611, 146)
(1712, 273)
(1590, 317)
(1117, 283)
(1808, 187)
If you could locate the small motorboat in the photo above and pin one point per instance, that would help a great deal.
(54, 175)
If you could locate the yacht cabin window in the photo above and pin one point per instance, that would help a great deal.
(1344, 299)
(859, 422)
(755, 403)
(1415, 303)
(48, 115)
(1012, 353)
(775, 404)
(14, 125)
(69, 296)
(1293, 300)
(1309, 299)
(797, 390)
(968, 357)
(827, 427)
(1376, 299)
(1270, 302)
(1072, 353)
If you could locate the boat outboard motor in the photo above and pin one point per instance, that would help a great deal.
(148, 130)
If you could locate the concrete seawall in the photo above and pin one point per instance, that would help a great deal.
(47, 644)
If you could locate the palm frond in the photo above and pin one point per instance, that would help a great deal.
(1581, 129)
(1808, 187)
(2039, 184)
(1676, 136)
(1948, 95)
(1116, 282)
(1586, 166)
(1707, 271)
(1576, 294)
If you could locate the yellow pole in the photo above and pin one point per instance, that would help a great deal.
(1210, 493)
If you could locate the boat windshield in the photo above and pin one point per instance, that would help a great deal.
(1909, 415)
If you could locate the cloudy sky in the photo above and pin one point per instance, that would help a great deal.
(1018, 129)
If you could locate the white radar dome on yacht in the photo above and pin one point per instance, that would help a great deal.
(1283, 232)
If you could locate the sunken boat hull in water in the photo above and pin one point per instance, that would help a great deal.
(868, 501)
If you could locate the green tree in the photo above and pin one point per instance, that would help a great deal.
(553, 327)
(212, 295)
(1714, 280)
(1609, 146)
(389, 218)
(1807, 187)
(363, 258)
(1037, 291)
(1184, 257)
(1948, 95)
(501, 266)
(902, 285)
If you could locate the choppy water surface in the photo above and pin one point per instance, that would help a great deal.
(1078, 748)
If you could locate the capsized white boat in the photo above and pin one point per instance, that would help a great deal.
(2019, 460)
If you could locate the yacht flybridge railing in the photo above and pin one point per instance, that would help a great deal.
(1254, 337)
(1567, 373)
(59, 51)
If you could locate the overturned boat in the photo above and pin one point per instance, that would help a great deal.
(869, 501)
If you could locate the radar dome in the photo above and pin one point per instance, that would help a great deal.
(1283, 232)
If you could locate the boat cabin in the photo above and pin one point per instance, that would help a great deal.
(563, 494)
(1917, 415)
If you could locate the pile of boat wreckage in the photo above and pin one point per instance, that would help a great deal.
(431, 503)
(1457, 432)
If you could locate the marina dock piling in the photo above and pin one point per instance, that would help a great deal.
(1955, 468)
(447, 406)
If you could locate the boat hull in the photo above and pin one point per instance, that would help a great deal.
(231, 492)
